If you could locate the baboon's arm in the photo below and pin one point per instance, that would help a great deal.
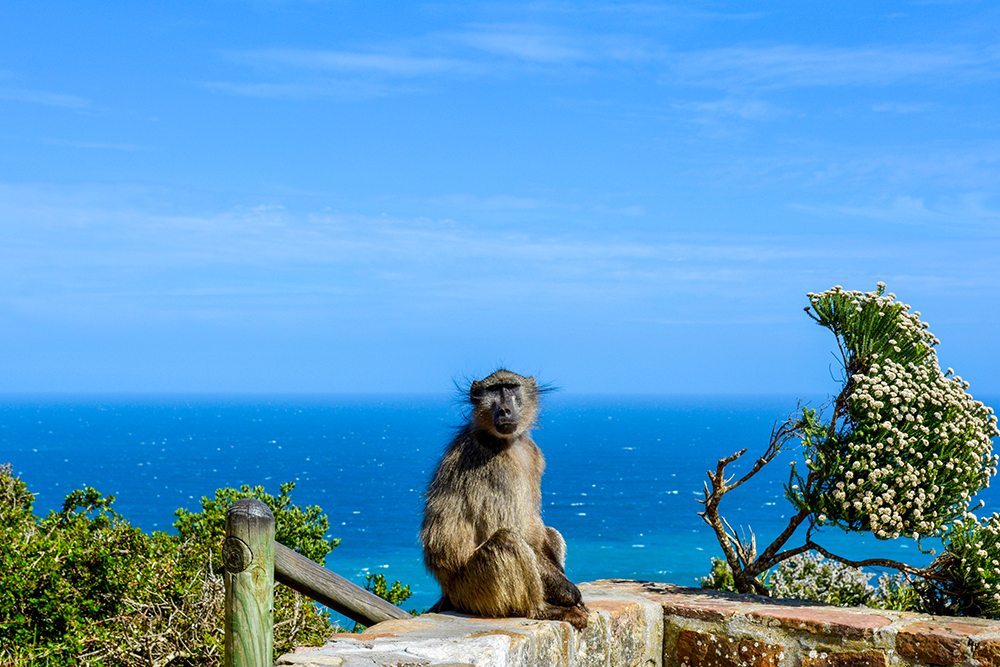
(448, 537)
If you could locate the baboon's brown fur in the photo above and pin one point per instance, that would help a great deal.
(483, 536)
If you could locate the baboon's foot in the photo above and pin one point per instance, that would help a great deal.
(575, 616)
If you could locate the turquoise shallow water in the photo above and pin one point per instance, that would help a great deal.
(622, 481)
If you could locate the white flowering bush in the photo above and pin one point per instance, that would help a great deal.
(904, 452)
(907, 446)
(812, 577)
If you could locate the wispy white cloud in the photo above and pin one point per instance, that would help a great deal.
(961, 169)
(794, 65)
(503, 49)
(476, 51)
(90, 255)
(384, 62)
(673, 13)
(974, 212)
(527, 43)
(631, 211)
(43, 97)
(81, 228)
(490, 203)
(506, 203)
(311, 73)
(311, 88)
(902, 209)
(895, 107)
(846, 173)
(95, 145)
(71, 226)
(746, 109)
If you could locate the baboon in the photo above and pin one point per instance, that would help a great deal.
(482, 533)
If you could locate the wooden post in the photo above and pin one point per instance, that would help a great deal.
(248, 554)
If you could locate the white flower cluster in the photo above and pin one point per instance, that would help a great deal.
(926, 447)
(919, 446)
(811, 577)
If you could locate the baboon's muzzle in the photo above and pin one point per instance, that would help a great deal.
(505, 425)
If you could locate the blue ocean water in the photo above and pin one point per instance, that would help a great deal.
(622, 480)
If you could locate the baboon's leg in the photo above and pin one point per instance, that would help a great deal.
(555, 547)
(501, 579)
(556, 588)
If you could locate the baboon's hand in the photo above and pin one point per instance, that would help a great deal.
(562, 592)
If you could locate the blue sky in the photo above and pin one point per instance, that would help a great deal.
(313, 196)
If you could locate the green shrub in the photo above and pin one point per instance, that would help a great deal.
(396, 594)
(720, 578)
(82, 586)
(63, 577)
(972, 583)
(302, 530)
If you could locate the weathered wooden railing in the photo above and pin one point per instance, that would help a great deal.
(254, 561)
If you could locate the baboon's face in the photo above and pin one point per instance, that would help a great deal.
(507, 410)
(499, 408)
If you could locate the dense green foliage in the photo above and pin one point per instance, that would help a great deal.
(396, 594)
(303, 530)
(720, 577)
(63, 577)
(972, 583)
(82, 586)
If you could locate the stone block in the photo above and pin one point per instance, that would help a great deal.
(936, 643)
(701, 649)
(829, 621)
(987, 652)
(627, 629)
(697, 603)
(844, 659)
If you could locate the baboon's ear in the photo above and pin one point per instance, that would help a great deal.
(476, 391)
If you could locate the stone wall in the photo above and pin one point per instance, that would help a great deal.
(635, 623)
